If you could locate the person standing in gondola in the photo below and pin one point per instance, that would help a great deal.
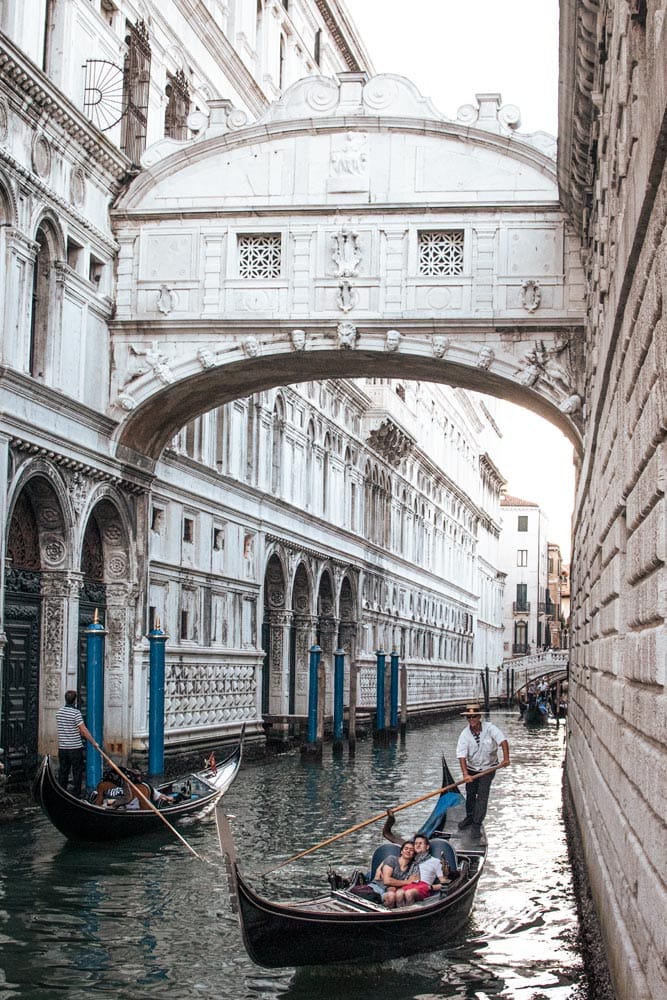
(477, 750)
(72, 731)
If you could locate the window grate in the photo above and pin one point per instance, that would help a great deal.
(441, 252)
(259, 255)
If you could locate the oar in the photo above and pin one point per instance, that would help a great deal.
(374, 819)
(144, 798)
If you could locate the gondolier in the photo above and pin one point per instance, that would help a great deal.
(72, 731)
(477, 750)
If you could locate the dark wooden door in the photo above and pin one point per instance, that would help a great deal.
(20, 716)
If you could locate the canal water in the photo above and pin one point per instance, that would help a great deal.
(149, 920)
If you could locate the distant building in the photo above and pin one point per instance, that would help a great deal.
(524, 557)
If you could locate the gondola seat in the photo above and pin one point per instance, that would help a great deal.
(381, 854)
(441, 848)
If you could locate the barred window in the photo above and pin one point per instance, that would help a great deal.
(178, 106)
(259, 255)
(441, 252)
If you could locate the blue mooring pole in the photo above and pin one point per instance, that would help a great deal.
(339, 676)
(379, 707)
(393, 691)
(157, 640)
(95, 634)
(313, 688)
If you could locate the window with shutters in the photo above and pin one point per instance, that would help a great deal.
(136, 85)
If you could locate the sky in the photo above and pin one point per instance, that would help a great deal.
(452, 51)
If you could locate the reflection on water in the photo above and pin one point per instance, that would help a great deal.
(149, 920)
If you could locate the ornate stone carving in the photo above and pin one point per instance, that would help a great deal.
(54, 551)
(206, 358)
(571, 405)
(352, 158)
(78, 487)
(125, 401)
(41, 156)
(392, 341)
(531, 295)
(250, 347)
(167, 300)
(485, 358)
(347, 297)
(440, 346)
(541, 363)
(347, 334)
(298, 338)
(346, 253)
(155, 361)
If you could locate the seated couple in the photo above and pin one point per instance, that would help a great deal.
(410, 876)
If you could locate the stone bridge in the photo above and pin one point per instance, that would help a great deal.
(351, 231)
(552, 664)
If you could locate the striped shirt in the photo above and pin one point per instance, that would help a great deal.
(68, 720)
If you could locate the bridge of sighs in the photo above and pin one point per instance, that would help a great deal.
(352, 231)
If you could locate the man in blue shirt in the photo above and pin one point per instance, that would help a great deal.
(477, 750)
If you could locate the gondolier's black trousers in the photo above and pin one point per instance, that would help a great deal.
(71, 760)
(477, 797)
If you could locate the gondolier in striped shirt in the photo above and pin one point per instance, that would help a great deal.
(477, 750)
(72, 731)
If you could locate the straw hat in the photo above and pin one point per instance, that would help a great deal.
(472, 710)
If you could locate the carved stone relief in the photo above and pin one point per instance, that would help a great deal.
(440, 346)
(347, 335)
(298, 338)
(4, 122)
(41, 156)
(485, 358)
(531, 295)
(392, 342)
(346, 253)
(347, 297)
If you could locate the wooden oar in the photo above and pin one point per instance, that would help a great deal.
(144, 798)
(374, 819)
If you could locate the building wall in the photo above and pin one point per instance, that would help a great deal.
(613, 180)
(272, 522)
(524, 557)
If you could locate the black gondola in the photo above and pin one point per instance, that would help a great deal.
(341, 927)
(80, 820)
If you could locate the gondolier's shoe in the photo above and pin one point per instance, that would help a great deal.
(465, 822)
(475, 831)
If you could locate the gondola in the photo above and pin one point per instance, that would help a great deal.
(536, 712)
(196, 795)
(339, 926)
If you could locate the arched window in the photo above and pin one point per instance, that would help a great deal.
(43, 295)
(277, 443)
(310, 453)
(326, 474)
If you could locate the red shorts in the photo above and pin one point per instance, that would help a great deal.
(423, 888)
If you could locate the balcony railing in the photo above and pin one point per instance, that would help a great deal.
(521, 607)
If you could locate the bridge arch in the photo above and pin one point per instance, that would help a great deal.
(351, 231)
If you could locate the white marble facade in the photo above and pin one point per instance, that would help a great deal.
(359, 512)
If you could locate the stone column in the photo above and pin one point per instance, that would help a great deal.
(328, 636)
(279, 624)
(58, 650)
(305, 638)
(118, 668)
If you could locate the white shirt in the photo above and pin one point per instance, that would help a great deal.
(482, 755)
(430, 870)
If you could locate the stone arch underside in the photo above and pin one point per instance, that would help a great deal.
(352, 231)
